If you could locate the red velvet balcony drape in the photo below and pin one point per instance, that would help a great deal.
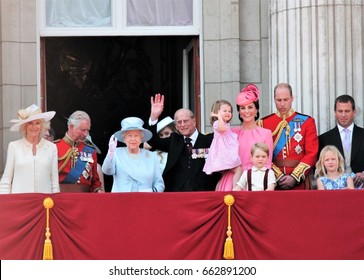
(153, 226)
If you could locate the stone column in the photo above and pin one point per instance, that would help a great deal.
(220, 63)
(317, 47)
(18, 67)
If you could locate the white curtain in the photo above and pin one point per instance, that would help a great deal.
(159, 12)
(78, 13)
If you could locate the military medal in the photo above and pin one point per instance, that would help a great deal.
(86, 172)
(297, 129)
(297, 125)
(298, 137)
(90, 158)
(82, 156)
(200, 153)
(88, 167)
(298, 149)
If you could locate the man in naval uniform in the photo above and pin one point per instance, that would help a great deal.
(295, 142)
(77, 157)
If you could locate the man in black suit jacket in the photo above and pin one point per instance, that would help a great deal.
(183, 171)
(354, 157)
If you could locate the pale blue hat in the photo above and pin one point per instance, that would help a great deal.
(132, 123)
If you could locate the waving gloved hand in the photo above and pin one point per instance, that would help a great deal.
(112, 146)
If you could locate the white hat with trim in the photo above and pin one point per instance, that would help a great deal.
(33, 112)
(163, 123)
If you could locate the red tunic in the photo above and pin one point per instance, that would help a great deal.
(68, 153)
(299, 154)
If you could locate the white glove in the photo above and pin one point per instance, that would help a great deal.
(112, 146)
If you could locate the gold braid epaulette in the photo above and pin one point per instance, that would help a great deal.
(299, 172)
(66, 157)
(283, 124)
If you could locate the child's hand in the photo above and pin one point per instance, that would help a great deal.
(212, 114)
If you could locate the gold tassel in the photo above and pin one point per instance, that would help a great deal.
(229, 246)
(48, 249)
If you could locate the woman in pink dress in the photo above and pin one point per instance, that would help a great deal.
(248, 133)
(223, 152)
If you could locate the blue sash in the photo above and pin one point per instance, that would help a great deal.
(282, 140)
(76, 172)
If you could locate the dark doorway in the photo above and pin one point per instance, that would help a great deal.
(111, 78)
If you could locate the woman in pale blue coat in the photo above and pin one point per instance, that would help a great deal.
(133, 169)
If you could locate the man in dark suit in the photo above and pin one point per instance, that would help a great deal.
(354, 153)
(186, 149)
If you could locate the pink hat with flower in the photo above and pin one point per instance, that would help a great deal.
(248, 95)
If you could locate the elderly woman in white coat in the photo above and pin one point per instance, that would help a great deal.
(134, 169)
(31, 163)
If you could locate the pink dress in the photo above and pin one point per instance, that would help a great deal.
(223, 153)
(246, 139)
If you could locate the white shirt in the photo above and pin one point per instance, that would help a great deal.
(193, 137)
(257, 180)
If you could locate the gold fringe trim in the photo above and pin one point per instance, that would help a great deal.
(67, 156)
(48, 249)
(229, 246)
(299, 172)
(279, 130)
(277, 172)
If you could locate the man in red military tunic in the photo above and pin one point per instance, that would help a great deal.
(77, 157)
(295, 141)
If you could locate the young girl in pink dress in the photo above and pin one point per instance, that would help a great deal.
(223, 153)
